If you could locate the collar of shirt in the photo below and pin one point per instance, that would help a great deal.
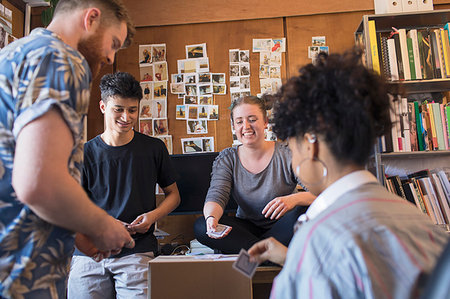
(334, 191)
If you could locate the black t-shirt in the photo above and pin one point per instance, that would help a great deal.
(122, 180)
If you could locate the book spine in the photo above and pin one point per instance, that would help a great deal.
(438, 125)
(433, 126)
(418, 126)
(412, 127)
(412, 66)
(393, 64)
(406, 133)
(374, 47)
(435, 54)
(426, 61)
(417, 197)
(415, 45)
(444, 126)
(383, 49)
(401, 72)
(404, 53)
(394, 125)
(446, 50)
(447, 117)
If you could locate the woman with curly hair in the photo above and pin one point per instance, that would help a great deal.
(356, 240)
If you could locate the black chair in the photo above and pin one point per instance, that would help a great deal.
(438, 284)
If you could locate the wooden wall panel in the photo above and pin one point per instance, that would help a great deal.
(337, 28)
(158, 13)
(17, 19)
(219, 38)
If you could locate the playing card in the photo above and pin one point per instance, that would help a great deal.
(244, 265)
(221, 230)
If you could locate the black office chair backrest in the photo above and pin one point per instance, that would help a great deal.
(438, 284)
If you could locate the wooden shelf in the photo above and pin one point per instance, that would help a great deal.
(422, 86)
(419, 154)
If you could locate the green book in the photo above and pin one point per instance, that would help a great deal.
(412, 66)
(419, 126)
(447, 114)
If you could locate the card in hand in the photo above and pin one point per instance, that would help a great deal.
(244, 265)
(221, 230)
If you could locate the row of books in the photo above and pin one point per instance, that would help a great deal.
(417, 126)
(414, 54)
(428, 190)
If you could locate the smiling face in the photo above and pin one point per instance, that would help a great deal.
(100, 47)
(120, 114)
(249, 123)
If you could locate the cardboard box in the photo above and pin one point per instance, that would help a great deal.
(190, 277)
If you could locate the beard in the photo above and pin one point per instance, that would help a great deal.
(91, 48)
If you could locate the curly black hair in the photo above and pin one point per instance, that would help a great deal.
(339, 99)
(120, 84)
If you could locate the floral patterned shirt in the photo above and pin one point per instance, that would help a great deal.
(37, 73)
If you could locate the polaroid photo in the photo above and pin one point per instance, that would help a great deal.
(261, 44)
(192, 112)
(190, 100)
(180, 66)
(2, 10)
(269, 135)
(146, 127)
(158, 52)
(234, 84)
(203, 112)
(213, 112)
(324, 49)
(234, 56)
(278, 44)
(197, 127)
(235, 96)
(244, 265)
(145, 55)
(264, 71)
(190, 78)
(275, 58)
(190, 89)
(8, 14)
(218, 78)
(204, 89)
(234, 70)
(160, 126)
(145, 109)
(191, 145)
(244, 56)
(265, 86)
(180, 112)
(177, 78)
(204, 78)
(146, 73)
(147, 90)
(160, 90)
(244, 69)
(313, 51)
(275, 71)
(159, 109)
(264, 58)
(167, 139)
(220, 89)
(208, 144)
(244, 83)
(177, 88)
(202, 65)
(190, 65)
(276, 84)
(160, 71)
(196, 51)
(318, 40)
(206, 99)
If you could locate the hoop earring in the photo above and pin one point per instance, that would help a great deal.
(305, 181)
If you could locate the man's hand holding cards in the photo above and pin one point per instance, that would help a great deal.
(244, 265)
(220, 232)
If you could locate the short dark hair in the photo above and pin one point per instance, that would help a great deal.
(339, 99)
(112, 9)
(120, 84)
(263, 103)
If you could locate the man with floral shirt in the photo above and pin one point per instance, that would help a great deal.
(44, 95)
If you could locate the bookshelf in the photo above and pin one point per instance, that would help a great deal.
(402, 163)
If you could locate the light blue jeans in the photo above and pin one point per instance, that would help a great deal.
(124, 277)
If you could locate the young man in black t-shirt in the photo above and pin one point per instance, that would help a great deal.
(121, 169)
